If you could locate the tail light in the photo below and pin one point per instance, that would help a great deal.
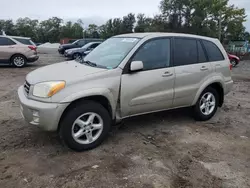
(230, 66)
(32, 47)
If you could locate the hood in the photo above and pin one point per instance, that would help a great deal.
(69, 71)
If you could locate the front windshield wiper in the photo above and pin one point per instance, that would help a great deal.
(92, 64)
(89, 63)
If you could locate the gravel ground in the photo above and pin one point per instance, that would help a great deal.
(167, 149)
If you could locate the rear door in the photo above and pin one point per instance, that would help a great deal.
(7, 48)
(191, 69)
(152, 88)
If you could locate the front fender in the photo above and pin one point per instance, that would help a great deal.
(214, 79)
(93, 92)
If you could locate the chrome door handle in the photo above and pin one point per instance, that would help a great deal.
(167, 74)
(203, 68)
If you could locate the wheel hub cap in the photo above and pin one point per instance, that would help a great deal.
(87, 128)
(207, 103)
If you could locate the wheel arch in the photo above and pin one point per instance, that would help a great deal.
(101, 99)
(16, 55)
(218, 86)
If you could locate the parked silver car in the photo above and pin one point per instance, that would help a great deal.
(127, 75)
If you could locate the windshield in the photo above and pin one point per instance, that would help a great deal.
(87, 45)
(75, 42)
(110, 53)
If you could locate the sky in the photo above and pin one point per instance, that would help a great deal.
(90, 11)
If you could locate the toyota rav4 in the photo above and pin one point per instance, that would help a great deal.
(127, 75)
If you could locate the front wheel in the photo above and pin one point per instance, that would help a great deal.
(77, 57)
(207, 105)
(85, 126)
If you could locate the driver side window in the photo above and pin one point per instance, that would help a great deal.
(154, 54)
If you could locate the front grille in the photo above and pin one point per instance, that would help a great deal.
(26, 87)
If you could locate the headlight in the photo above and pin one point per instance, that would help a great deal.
(48, 89)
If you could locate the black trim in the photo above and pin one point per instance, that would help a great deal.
(126, 69)
(204, 49)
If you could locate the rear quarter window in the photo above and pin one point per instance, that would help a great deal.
(24, 41)
(213, 52)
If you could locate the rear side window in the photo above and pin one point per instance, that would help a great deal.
(24, 41)
(6, 41)
(201, 53)
(185, 51)
(213, 52)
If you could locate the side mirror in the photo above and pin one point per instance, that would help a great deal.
(136, 66)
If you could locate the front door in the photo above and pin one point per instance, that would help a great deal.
(152, 88)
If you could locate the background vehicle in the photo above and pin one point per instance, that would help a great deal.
(78, 53)
(125, 76)
(234, 60)
(16, 53)
(77, 44)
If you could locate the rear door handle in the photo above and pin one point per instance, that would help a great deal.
(167, 74)
(203, 68)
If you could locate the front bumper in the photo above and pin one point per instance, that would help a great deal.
(43, 115)
(68, 56)
(61, 50)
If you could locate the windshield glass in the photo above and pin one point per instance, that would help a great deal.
(87, 45)
(110, 53)
(75, 42)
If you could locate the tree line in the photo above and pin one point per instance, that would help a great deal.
(213, 18)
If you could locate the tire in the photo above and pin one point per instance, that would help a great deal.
(70, 129)
(233, 62)
(204, 114)
(18, 61)
(77, 56)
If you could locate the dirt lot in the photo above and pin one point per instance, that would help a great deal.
(167, 149)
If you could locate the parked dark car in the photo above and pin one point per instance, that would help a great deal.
(78, 53)
(77, 44)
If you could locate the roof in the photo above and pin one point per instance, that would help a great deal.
(15, 37)
(159, 34)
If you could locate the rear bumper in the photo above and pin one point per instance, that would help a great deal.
(228, 86)
(33, 58)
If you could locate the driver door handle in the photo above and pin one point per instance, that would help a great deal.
(167, 74)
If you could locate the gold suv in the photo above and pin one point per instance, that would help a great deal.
(16, 53)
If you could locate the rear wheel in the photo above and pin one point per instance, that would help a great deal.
(18, 61)
(207, 105)
(85, 126)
